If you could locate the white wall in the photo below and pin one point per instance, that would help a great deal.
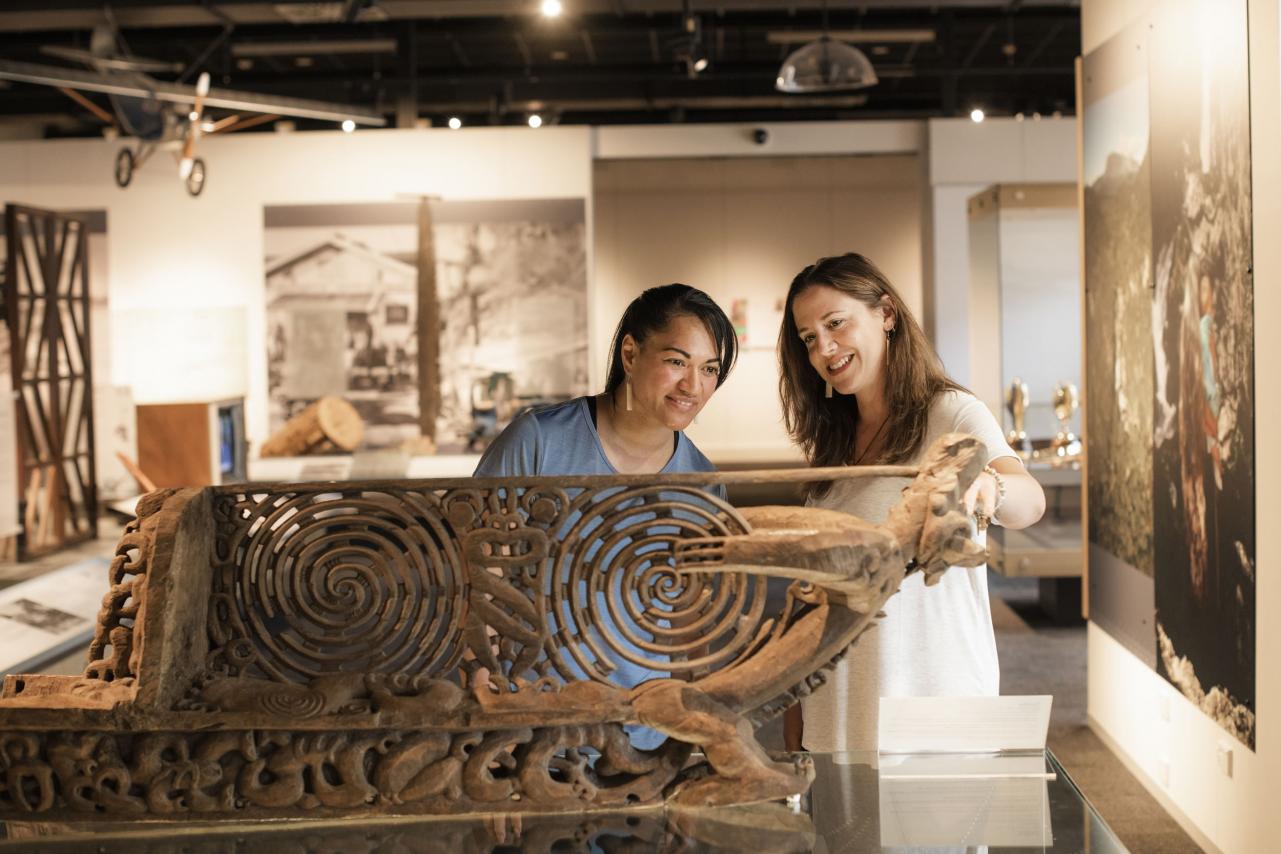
(186, 275)
(966, 157)
(1174, 749)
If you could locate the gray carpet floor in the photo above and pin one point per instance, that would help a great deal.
(1040, 658)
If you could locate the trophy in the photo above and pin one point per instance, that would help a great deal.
(1065, 446)
(1016, 400)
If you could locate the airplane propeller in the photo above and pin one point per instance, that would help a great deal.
(187, 165)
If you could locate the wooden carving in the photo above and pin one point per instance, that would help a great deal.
(462, 646)
(44, 304)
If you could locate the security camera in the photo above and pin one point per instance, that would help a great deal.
(760, 136)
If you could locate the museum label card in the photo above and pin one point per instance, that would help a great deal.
(963, 724)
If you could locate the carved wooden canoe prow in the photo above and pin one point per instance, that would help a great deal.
(462, 646)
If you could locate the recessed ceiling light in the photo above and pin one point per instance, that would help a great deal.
(535, 121)
(551, 8)
(455, 123)
(348, 126)
(976, 115)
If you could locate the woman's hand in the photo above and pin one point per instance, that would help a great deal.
(1024, 501)
(981, 496)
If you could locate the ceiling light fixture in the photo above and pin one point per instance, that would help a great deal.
(455, 123)
(689, 48)
(348, 126)
(825, 65)
(535, 120)
(977, 115)
(551, 8)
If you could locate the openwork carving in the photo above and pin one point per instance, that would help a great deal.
(306, 584)
(646, 612)
(112, 653)
(282, 773)
(446, 647)
(45, 303)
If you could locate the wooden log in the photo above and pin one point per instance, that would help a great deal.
(330, 420)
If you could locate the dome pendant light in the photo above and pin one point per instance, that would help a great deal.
(825, 65)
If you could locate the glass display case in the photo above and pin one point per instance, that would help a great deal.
(859, 803)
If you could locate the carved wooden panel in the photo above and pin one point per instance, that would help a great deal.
(553, 584)
(464, 646)
(46, 299)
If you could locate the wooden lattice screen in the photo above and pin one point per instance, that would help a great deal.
(46, 308)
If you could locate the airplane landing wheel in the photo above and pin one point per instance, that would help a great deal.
(124, 167)
(196, 179)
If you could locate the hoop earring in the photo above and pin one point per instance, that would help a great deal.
(629, 394)
(828, 392)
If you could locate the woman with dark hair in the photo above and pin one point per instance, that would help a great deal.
(673, 348)
(861, 385)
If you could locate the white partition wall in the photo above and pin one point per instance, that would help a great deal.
(966, 157)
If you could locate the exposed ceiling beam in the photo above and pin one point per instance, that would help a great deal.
(917, 36)
(314, 48)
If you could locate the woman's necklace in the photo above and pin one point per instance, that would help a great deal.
(872, 442)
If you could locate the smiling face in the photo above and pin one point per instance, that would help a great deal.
(844, 338)
(673, 373)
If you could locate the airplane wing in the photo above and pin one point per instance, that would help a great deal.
(141, 86)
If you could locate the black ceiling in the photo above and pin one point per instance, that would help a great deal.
(601, 62)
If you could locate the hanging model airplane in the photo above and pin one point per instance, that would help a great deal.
(160, 115)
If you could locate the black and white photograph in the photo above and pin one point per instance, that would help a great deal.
(39, 616)
(342, 298)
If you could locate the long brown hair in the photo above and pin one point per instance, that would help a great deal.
(824, 427)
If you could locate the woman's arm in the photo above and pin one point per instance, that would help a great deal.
(1024, 500)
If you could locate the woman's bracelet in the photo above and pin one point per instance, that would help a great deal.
(1000, 489)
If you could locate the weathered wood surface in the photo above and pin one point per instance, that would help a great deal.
(330, 422)
(452, 647)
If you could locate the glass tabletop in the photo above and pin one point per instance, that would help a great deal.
(859, 802)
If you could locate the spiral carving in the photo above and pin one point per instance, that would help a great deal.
(615, 604)
(330, 582)
(301, 704)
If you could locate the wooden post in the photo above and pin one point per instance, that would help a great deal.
(428, 325)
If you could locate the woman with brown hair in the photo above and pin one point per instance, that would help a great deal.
(861, 385)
